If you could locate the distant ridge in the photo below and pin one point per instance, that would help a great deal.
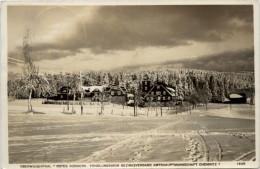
(232, 61)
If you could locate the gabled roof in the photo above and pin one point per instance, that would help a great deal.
(145, 77)
(169, 90)
(235, 96)
(116, 88)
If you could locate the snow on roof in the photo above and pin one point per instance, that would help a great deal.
(130, 95)
(235, 96)
(92, 88)
(170, 89)
(130, 102)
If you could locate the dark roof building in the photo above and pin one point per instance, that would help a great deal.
(237, 97)
(160, 92)
(65, 93)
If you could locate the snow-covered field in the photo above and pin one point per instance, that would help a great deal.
(222, 133)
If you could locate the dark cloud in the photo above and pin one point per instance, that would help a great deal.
(228, 62)
(232, 61)
(52, 54)
(39, 54)
(129, 27)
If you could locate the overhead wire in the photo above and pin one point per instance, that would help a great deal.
(20, 63)
(14, 61)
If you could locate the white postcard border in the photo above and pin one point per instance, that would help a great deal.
(4, 68)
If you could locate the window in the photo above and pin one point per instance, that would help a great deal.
(145, 83)
(169, 98)
(164, 92)
(147, 98)
(145, 88)
(158, 87)
(158, 92)
(152, 93)
(159, 98)
(163, 98)
(61, 96)
(112, 93)
(118, 92)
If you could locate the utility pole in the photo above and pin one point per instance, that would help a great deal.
(134, 102)
(161, 108)
(102, 99)
(176, 99)
(184, 93)
(137, 102)
(81, 93)
(68, 107)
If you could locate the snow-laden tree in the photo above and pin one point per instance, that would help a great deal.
(31, 80)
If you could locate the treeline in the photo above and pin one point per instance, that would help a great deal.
(215, 85)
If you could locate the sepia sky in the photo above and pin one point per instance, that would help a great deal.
(83, 38)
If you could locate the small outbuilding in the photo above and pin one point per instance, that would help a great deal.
(237, 97)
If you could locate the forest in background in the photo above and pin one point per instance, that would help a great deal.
(215, 85)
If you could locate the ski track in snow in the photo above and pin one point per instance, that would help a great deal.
(131, 140)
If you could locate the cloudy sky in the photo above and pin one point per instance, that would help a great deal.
(83, 38)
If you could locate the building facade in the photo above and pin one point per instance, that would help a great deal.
(158, 92)
(65, 93)
(115, 94)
